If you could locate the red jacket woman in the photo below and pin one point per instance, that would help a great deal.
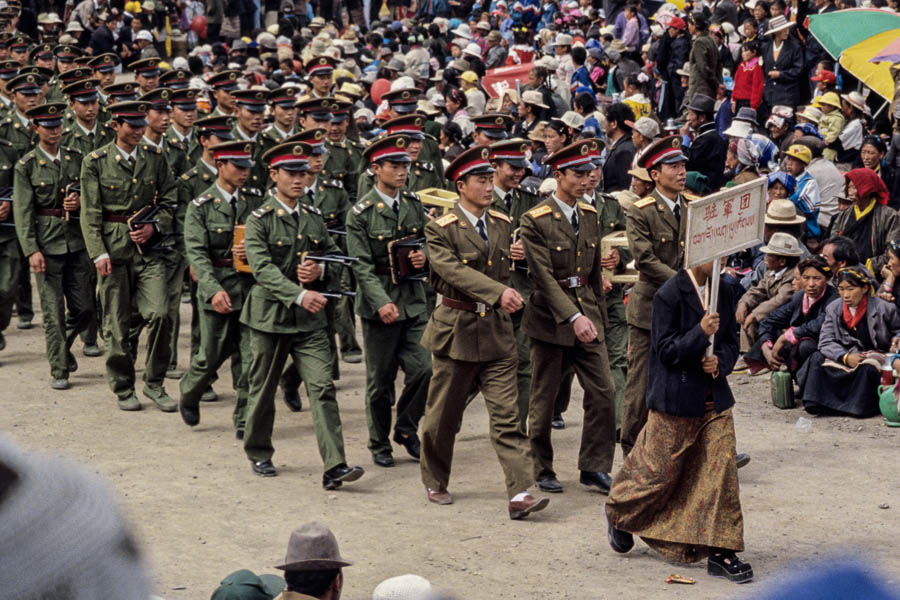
(748, 78)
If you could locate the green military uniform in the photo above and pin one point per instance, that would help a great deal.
(279, 327)
(344, 162)
(259, 173)
(75, 137)
(11, 259)
(189, 145)
(517, 201)
(113, 188)
(39, 187)
(208, 238)
(422, 175)
(271, 137)
(472, 341)
(371, 225)
(564, 266)
(656, 239)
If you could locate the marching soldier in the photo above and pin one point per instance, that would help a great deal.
(51, 239)
(566, 320)
(490, 128)
(86, 133)
(8, 70)
(251, 106)
(11, 258)
(513, 200)
(222, 84)
(42, 56)
(320, 71)
(181, 130)
(104, 67)
(656, 232)
(471, 335)
(286, 318)
(118, 180)
(344, 155)
(146, 74)
(209, 244)
(283, 101)
(393, 315)
(120, 92)
(18, 48)
(315, 113)
(404, 102)
(176, 79)
(65, 61)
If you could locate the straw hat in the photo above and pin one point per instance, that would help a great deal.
(781, 211)
(811, 114)
(856, 100)
(779, 23)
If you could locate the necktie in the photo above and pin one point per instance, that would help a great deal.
(677, 212)
(296, 216)
(508, 201)
(233, 202)
(481, 231)
(575, 222)
(396, 207)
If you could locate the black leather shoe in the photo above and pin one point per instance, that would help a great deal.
(742, 459)
(598, 479)
(72, 364)
(190, 416)
(336, 476)
(620, 541)
(264, 468)
(411, 443)
(725, 563)
(383, 459)
(292, 399)
(238, 434)
(550, 484)
(557, 422)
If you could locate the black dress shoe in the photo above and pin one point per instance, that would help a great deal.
(598, 479)
(742, 459)
(238, 434)
(410, 442)
(557, 422)
(550, 484)
(725, 563)
(383, 459)
(292, 399)
(620, 541)
(335, 476)
(190, 416)
(264, 468)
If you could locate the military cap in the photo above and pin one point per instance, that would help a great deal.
(252, 100)
(664, 150)
(319, 108)
(402, 101)
(474, 161)
(176, 79)
(292, 156)
(146, 67)
(340, 109)
(73, 75)
(219, 126)
(493, 125)
(224, 80)
(48, 115)
(43, 73)
(185, 99)
(314, 138)
(82, 91)
(285, 96)
(133, 113)
(237, 153)
(389, 147)
(28, 84)
(320, 65)
(9, 69)
(42, 52)
(159, 99)
(575, 156)
(105, 63)
(511, 152)
(5, 37)
(122, 91)
(82, 60)
(19, 43)
(408, 125)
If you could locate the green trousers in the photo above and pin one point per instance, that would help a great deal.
(523, 369)
(221, 337)
(89, 334)
(617, 345)
(24, 304)
(176, 265)
(345, 316)
(387, 348)
(140, 285)
(65, 285)
(10, 267)
(312, 356)
(634, 406)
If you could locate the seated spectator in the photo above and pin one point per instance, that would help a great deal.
(842, 376)
(806, 196)
(869, 223)
(889, 273)
(247, 585)
(743, 161)
(782, 254)
(781, 216)
(781, 186)
(839, 252)
(790, 334)
(313, 564)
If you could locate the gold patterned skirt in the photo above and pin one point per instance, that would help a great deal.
(678, 489)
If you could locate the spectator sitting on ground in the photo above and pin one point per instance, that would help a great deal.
(404, 587)
(247, 585)
(313, 564)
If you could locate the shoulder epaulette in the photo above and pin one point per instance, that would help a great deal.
(528, 190)
(427, 165)
(24, 160)
(410, 195)
(446, 220)
(540, 211)
(98, 153)
(357, 144)
(361, 206)
(252, 191)
(499, 215)
(67, 130)
(644, 202)
(201, 200)
(690, 197)
(587, 207)
(335, 183)
(311, 209)
(262, 210)
(428, 136)
(186, 176)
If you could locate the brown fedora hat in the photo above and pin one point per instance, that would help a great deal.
(312, 547)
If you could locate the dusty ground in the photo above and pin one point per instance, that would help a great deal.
(201, 513)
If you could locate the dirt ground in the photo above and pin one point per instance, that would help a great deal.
(200, 512)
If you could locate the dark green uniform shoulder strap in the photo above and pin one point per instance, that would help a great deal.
(263, 210)
(201, 200)
(362, 206)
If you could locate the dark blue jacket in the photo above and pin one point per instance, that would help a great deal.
(677, 384)
(791, 315)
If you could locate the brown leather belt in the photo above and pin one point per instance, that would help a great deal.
(476, 307)
(572, 282)
(223, 262)
(382, 270)
(51, 212)
(108, 218)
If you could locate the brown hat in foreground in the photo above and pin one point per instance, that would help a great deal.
(312, 547)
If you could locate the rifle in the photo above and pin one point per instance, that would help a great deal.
(145, 216)
(338, 259)
(6, 196)
(400, 266)
(72, 187)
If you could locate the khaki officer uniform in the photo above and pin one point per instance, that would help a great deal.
(208, 238)
(564, 266)
(113, 187)
(472, 345)
(39, 188)
(656, 239)
(371, 224)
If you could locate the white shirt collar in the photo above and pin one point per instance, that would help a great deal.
(225, 195)
(565, 208)
(150, 142)
(211, 168)
(44, 152)
(500, 192)
(241, 133)
(284, 134)
(669, 203)
(180, 136)
(287, 208)
(26, 122)
(132, 156)
(87, 131)
(472, 218)
(312, 187)
(387, 199)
